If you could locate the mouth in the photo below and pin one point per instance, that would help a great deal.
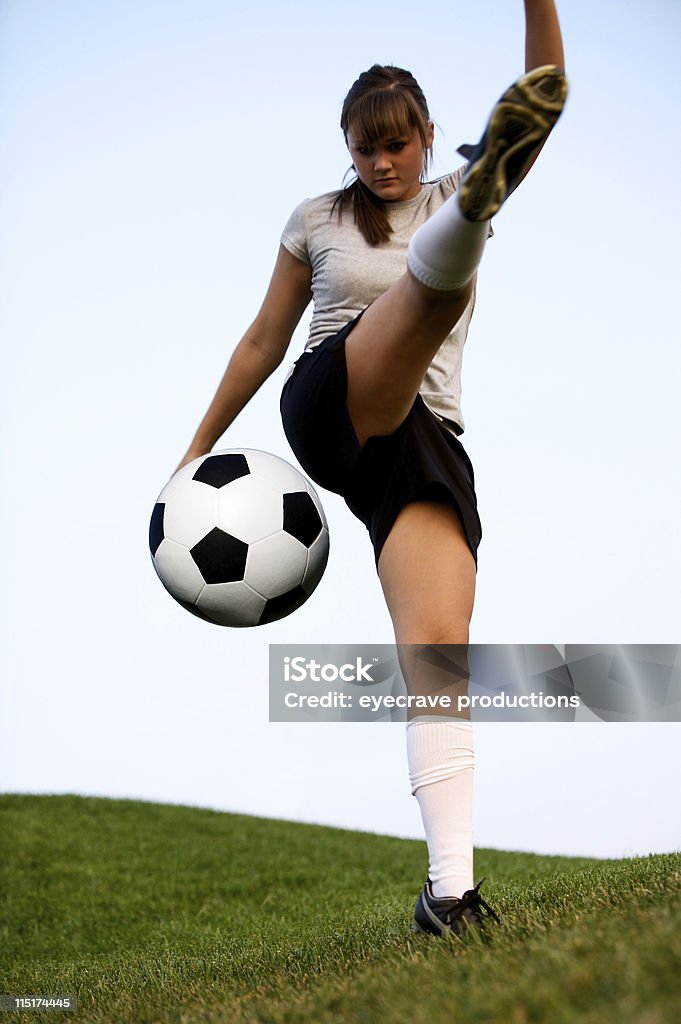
(384, 181)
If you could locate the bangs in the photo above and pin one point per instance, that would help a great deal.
(385, 114)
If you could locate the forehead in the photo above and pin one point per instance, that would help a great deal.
(356, 134)
(381, 115)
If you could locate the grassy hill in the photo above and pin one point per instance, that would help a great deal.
(158, 913)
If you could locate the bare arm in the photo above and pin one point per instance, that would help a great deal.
(543, 45)
(259, 352)
(543, 39)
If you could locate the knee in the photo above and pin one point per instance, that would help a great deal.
(427, 298)
(434, 633)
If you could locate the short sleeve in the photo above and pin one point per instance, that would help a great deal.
(294, 235)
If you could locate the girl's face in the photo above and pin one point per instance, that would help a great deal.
(390, 167)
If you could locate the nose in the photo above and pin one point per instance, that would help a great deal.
(382, 161)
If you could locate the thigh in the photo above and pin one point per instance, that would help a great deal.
(428, 577)
(391, 348)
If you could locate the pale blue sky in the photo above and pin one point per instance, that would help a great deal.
(150, 154)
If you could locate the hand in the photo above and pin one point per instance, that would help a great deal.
(191, 454)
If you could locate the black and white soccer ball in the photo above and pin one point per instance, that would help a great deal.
(239, 537)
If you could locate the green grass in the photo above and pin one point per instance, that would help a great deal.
(153, 914)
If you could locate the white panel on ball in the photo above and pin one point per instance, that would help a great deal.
(317, 557)
(276, 565)
(180, 481)
(191, 512)
(178, 571)
(231, 604)
(279, 473)
(250, 508)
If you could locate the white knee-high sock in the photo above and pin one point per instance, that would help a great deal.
(440, 757)
(444, 253)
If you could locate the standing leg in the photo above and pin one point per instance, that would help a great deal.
(427, 573)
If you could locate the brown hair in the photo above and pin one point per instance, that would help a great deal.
(384, 101)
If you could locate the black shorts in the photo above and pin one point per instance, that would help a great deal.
(422, 460)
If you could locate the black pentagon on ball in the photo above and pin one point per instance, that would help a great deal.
(278, 607)
(219, 470)
(156, 533)
(301, 518)
(220, 557)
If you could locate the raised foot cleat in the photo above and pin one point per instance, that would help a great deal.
(522, 120)
(443, 916)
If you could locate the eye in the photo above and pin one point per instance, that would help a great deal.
(362, 150)
(397, 147)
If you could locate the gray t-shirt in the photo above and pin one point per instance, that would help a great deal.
(348, 274)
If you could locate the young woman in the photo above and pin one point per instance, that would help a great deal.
(371, 408)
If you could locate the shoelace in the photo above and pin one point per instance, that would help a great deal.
(472, 900)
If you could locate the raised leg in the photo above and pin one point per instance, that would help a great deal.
(390, 349)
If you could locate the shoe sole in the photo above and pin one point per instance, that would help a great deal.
(521, 120)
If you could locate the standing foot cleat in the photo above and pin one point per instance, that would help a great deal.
(449, 915)
(521, 121)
